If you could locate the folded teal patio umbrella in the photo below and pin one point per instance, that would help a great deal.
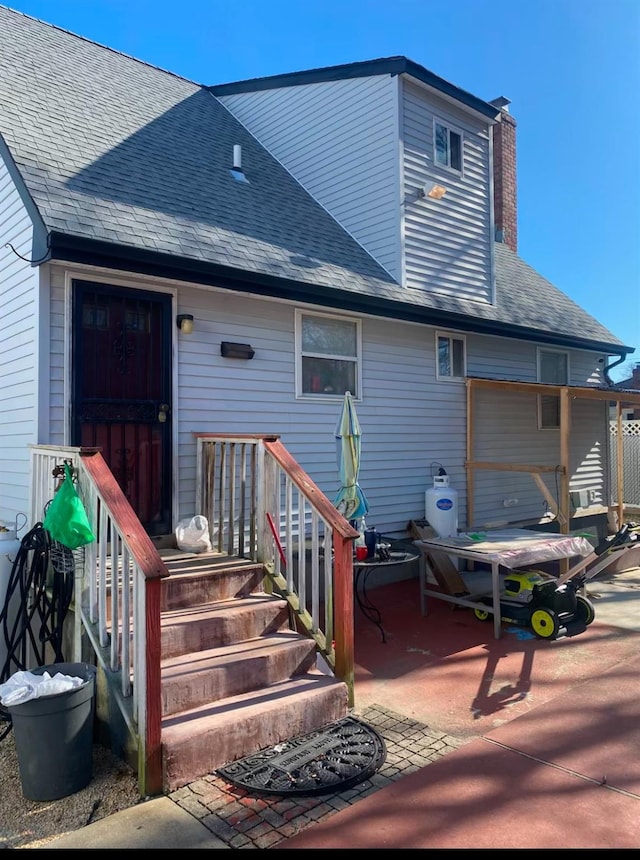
(350, 501)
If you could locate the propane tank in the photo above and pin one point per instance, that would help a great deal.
(441, 506)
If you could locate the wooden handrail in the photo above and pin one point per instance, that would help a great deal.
(142, 548)
(342, 567)
(304, 483)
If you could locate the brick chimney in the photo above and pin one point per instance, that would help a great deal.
(504, 176)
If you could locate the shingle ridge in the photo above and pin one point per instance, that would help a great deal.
(100, 45)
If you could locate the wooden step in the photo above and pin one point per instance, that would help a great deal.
(208, 676)
(201, 579)
(198, 741)
(225, 622)
(235, 677)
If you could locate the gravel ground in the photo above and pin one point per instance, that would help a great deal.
(31, 824)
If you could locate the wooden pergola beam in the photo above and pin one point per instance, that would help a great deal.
(511, 467)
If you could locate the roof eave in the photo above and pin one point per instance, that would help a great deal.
(368, 68)
(67, 248)
(39, 242)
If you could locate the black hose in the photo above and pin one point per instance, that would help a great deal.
(38, 596)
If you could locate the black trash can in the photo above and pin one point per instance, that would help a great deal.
(54, 736)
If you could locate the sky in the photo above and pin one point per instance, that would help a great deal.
(571, 69)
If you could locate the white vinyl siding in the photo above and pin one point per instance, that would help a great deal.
(339, 139)
(408, 418)
(19, 299)
(447, 241)
(504, 358)
(405, 416)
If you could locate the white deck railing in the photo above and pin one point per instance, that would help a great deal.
(261, 505)
(116, 594)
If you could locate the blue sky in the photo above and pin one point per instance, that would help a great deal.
(570, 67)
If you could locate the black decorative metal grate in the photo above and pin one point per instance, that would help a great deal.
(335, 757)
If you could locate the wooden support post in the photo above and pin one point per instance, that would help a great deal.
(619, 464)
(565, 433)
(469, 468)
(549, 498)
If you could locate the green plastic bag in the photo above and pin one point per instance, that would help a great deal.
(66, 519)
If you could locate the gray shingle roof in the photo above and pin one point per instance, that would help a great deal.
(115, 150)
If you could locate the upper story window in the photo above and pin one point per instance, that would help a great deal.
(452, 358)
(447, 146)
(553, 368)
(328, 355)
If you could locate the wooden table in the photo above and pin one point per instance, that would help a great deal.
(507, 548)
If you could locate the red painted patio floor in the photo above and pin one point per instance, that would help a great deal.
(553, 731)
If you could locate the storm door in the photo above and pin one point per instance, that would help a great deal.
(121, 368)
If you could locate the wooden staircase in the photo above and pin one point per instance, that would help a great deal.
(236, 677)
(205, 659)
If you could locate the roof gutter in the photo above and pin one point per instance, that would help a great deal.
(609, 367)
(92, 252)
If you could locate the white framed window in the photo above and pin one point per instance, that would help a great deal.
(451, 351)
(553, 368)
(328, 355)
(447, 146)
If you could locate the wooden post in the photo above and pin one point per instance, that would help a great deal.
(565, 433)
(620, 463)
(468, 464)
(343, 612)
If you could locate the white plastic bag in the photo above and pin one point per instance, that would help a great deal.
(192, 535)
(23, 686)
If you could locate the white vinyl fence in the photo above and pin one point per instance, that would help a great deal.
(631, 461)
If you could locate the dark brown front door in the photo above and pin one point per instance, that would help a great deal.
(122, 391)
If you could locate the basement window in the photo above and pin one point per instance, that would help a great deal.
(447, 146)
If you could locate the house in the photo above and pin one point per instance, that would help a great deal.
(324, 232)
(178, 260)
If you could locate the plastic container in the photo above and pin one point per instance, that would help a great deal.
(441, 507)
(54, 736)
(371, 539)
(360, 546)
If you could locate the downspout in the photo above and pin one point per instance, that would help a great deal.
(609, 367)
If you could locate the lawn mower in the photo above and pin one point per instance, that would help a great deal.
(548, 604)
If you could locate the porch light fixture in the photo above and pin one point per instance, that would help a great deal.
(185, 323)
(437, 192)
(236, 350)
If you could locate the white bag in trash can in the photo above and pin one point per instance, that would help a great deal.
(192, 535)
